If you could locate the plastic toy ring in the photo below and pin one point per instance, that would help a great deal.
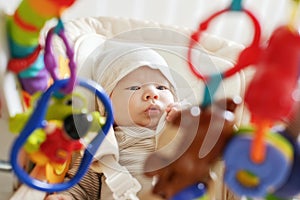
(195, 37)
(245, 177)
(36, 121)
(49, 59)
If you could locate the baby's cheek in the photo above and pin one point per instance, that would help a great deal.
(167, 100)
(123, 120)
(122, 115)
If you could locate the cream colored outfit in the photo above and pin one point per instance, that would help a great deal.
(122, 154)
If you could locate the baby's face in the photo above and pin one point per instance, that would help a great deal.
(140, 98)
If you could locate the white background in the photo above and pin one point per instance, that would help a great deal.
(187, 13)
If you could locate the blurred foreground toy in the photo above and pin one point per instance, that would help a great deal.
(269, 98)
(53, 144)
(247, 178)
(23, 31)
(38, 147)
(52, 128)
(191, 148)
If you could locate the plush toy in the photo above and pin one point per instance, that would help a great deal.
(50, 134)
(60, 132)
(61, 141)
(23, 31)
(192, 146)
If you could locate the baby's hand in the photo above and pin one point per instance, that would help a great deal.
(173, 110)
(186, 148)
(58, 197)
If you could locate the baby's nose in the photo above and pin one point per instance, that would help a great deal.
(150, 94)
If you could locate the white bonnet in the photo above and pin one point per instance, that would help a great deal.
(121, 59)
(111, 62)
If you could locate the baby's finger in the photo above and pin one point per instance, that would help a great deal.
(172, 114)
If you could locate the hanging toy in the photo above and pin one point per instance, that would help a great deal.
(268, 97)
(23, 30)
(291, 187)
(277, 75)
(59, 109)
(245, 177)
(49, 59)
(43, 152)
(51, 147)
(53, 129)
(17, 122)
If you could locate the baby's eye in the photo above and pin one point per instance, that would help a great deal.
(161, 87)
(134, 88)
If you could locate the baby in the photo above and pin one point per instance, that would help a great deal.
(143, 95)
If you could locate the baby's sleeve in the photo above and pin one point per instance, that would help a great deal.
(89, 187)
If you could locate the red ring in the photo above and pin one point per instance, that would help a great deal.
(195, 37)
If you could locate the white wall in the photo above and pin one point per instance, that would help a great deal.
(187, 13)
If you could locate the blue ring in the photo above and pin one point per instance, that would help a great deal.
(236, 158)
(36, 121)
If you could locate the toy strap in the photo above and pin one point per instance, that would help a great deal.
(211, 86)
(50, 62)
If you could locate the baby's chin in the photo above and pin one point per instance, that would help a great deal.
(148, 122)
(153, 124)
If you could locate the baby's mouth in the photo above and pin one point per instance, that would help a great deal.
(153, 110)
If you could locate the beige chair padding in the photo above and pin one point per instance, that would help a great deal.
(213, 55)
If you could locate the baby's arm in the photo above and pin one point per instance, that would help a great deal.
(89, 185)
(87, 188)
(58, 197)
